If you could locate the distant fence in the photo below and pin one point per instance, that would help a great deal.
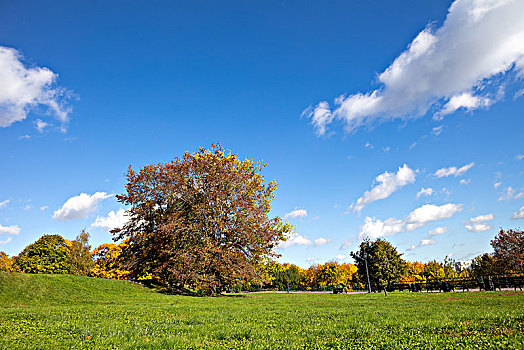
(486, 283)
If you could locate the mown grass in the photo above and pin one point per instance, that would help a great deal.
(59, 311)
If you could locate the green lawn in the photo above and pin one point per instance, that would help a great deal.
(60, 311)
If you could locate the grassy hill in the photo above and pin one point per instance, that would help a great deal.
(22, 290)
(61, 311)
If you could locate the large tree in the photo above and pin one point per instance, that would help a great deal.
(508, 250)
(384, 263)
(201, 221)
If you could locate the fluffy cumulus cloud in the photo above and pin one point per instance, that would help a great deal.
(518, 214)
(463, 64)
(340, 257)
(374, 228)
(9, 230)
(387, 184)
(437, 231)
(321, 241)
(4, 203)
(78, 207)
(25, 88)
(111, 221)
(453, 171)
(297, 213)
(294, 239)
(425, 192)
(478, 223)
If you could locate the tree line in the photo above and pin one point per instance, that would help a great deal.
(202, 223)
(55, 255)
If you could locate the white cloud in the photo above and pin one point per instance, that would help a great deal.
(478, 223)
(44, 207)
(425, 191)
(422, 243)
(320, 117)
(112, 220)
(4, 203)
(373, 228)
(297, 213)
(311, 260)
(461, 64)
(518, 214)
(78, 207)
(465, 100)
(510, 193)
(10, 230)
(497, 184)
(294, 239)
(429, 212)
(519, 156)
(445, 172)
(477, 227)
(427, 241)
(9, 239)
(482, 218)
(369, 145)
(339, 257)
(388, 183)
(437, 130)
(376, 228)
(465, 182)
(23, 89)
(321, 241)
(437, 231)
(41, 125)
(347, 243)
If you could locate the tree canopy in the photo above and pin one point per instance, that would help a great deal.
(201, 221)
(385, 264)
(508, 250)
(47, 255)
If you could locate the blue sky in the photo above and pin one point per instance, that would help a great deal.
(400, 120)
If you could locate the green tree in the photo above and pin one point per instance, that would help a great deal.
(484, 265)
(385, 264)
(277, 275)
(47, 255)
(200, 222)
(79, 261)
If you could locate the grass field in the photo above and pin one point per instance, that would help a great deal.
(60, 311)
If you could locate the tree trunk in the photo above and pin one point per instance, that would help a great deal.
(385, 291)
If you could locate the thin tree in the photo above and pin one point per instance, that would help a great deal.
(79, 261)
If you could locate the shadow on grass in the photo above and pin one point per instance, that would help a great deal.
(186, 291)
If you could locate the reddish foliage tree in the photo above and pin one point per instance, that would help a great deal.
(200, 221)
(508, 247)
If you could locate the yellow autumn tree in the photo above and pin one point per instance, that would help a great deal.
(106, 262)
